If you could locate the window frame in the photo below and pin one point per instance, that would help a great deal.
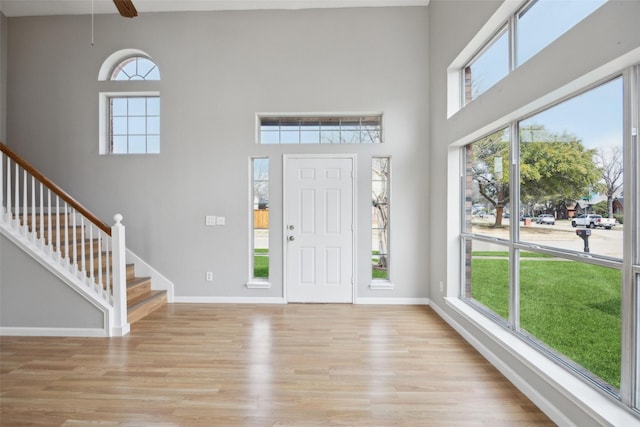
(629, 265)
(505, 16)
(119, 68)
(104, 125)
(384, 283)
(279, 118)
(257, 282)
(138, 88)
(466, 93)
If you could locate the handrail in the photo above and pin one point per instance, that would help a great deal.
(56, 189)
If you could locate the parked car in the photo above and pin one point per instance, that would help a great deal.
(525, 216)
(593, 221)
(546, 219)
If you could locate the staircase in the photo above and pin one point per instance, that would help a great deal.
(141, 299)
(87, 254)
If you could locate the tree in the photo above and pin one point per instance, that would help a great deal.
(554, 168)
(490, 170)
(610, 164)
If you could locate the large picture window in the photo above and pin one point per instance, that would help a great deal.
(544, 231)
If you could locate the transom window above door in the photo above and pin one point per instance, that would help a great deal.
(351, 129)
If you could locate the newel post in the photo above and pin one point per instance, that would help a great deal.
(120, 325)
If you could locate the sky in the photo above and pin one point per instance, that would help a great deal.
(595, 117)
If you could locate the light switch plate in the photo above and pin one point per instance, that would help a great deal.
(220, 220)
(209, 220)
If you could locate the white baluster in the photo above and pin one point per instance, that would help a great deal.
(120, 324)
(91, 255)
(58, 226)
(49, 235)
(25, 198)
(8, 217)
(41, 230)
(74, 245)
(100, 283)
(108, 262)
(66, 236)
(83, 262)
(33, 208)
(16, 194)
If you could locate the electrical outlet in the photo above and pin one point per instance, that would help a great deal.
(209, 220)
(209, 276)
(220, 220)
(441, 286)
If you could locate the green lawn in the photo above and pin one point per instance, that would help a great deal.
(261, 263)
(572, 307)
(261, 266)
(377, 273)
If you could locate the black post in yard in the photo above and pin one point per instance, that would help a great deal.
(584, 234)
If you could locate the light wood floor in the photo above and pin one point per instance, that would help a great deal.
(261, 365)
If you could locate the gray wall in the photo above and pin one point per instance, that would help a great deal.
(3, 77)
(32, 297)
(218, 70)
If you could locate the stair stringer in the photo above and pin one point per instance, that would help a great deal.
(65, 276)
(158, 281)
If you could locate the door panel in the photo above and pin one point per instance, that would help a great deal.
(318, 222)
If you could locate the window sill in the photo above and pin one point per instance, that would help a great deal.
(602, 408)
(259, 284)
(381, 285)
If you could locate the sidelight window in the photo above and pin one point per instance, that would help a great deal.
(380, 215)
(260, 218)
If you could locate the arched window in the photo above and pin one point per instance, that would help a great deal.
(130, 119)
(136, 68)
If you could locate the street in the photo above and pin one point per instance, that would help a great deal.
(561, 235)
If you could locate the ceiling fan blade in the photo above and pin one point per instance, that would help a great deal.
(126, 8)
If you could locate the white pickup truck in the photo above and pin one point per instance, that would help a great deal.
(593, 221)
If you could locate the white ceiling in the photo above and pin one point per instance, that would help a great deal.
(13, 8)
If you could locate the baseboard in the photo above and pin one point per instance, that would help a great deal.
(280, 300)
(53, 332)
(229, 300)
(393, 301)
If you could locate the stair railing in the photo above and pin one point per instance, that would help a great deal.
(45, 216)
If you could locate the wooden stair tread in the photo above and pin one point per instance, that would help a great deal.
(153, 301)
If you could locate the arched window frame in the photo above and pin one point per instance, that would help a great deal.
(127, 131)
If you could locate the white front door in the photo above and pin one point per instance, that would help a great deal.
(318, 220)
